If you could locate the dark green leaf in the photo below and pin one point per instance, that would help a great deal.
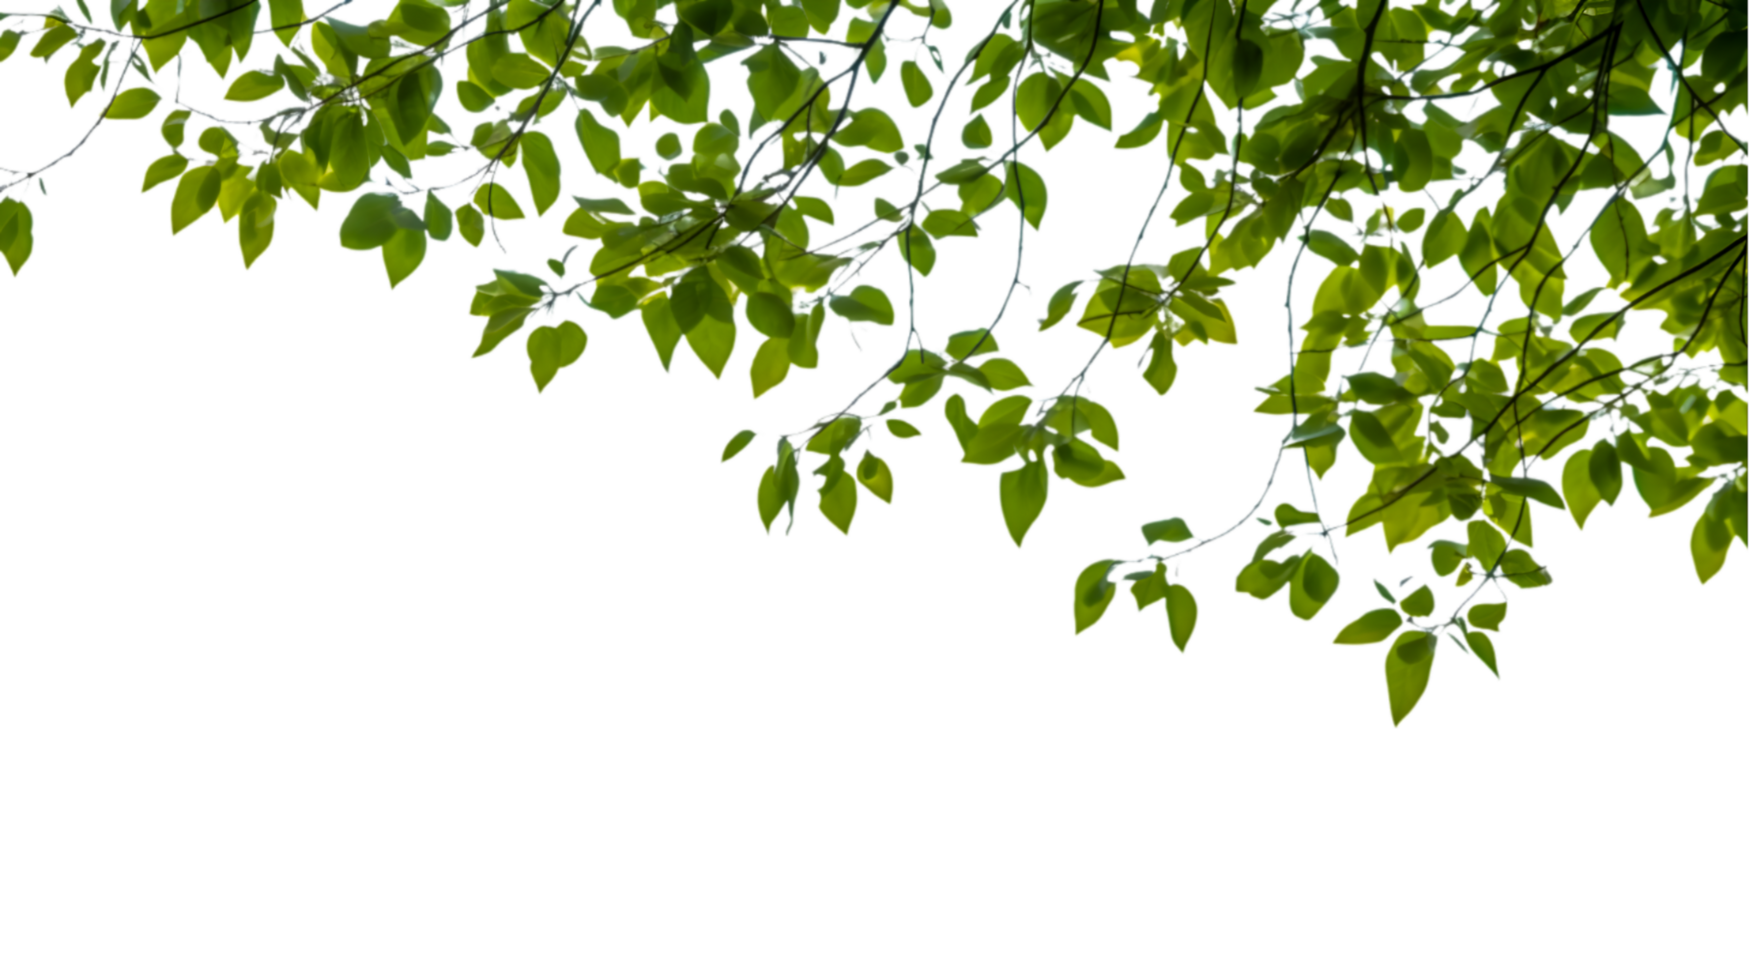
(1180, 614)
(1288, 516)
(16, 240)
(1172, 529)
(1023, 497)
(1314, 582)
(873, 473)
(1419, 602)
(1093, 594)
(1535, 490)
(738, 443)
(1407, 668)
(902, 429)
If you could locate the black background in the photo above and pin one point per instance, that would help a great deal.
(352, 485)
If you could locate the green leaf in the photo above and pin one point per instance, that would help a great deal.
(873, 473)
(1708, 544)
(948, 223)
(1332, 247)
(919, 392)
(1443, 557)
(976, 134)
(1725, 191)
(403, 253)
(713, 341)
(770, 365)
(472, 97)
(838, 499)
(698, 296)
(1172, 529)
(1519, 568)
(779, 485)
(219, 142)
(471, 224)
(1144, 133)
(496, 202)
(1023, 497)
(864, 304)
(902, 429)
(57, 36)
(600, 144)
(371, 222)
(1581, 493)
(420, 22)
(1276, 539)
(1407, 668)
(173, 125)
(918, 250)
(164, 168)
(552, 348)
(915, 84)
(833, 437)
(1026, 189)
(815, 208)
(775, 83)
(255, 226)
(738, 443)
(1483, 648)
(439, 220)
(993, 443)
(1092, 594)
(1081, 463)
(770, 315)
(518, 70)
(82, 73)
(874, 129)
(970, 343)
(253, 85)
(1314, 582)
(1149, 588)
(1288, 516)
(1386, 593)
(506, 301)
(18, 235)
(1535, 490)
(1038, 95)
(1376, 389)
(542, 165)
(1090, 103)
(1486, 545)
(885, 210)
(1247, 66)
(196, 193)
(135, 103)
(1162, 370)
(1180, 615)
(862, 173)
(1062, 301)
(1487, 616)
(1419, 602)
(1083, 415)
(822, 14)
(1003, 374)
(1663, 489)
(1371, 628)
(1263, 578)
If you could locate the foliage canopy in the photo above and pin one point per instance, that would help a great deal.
(1572, 167)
